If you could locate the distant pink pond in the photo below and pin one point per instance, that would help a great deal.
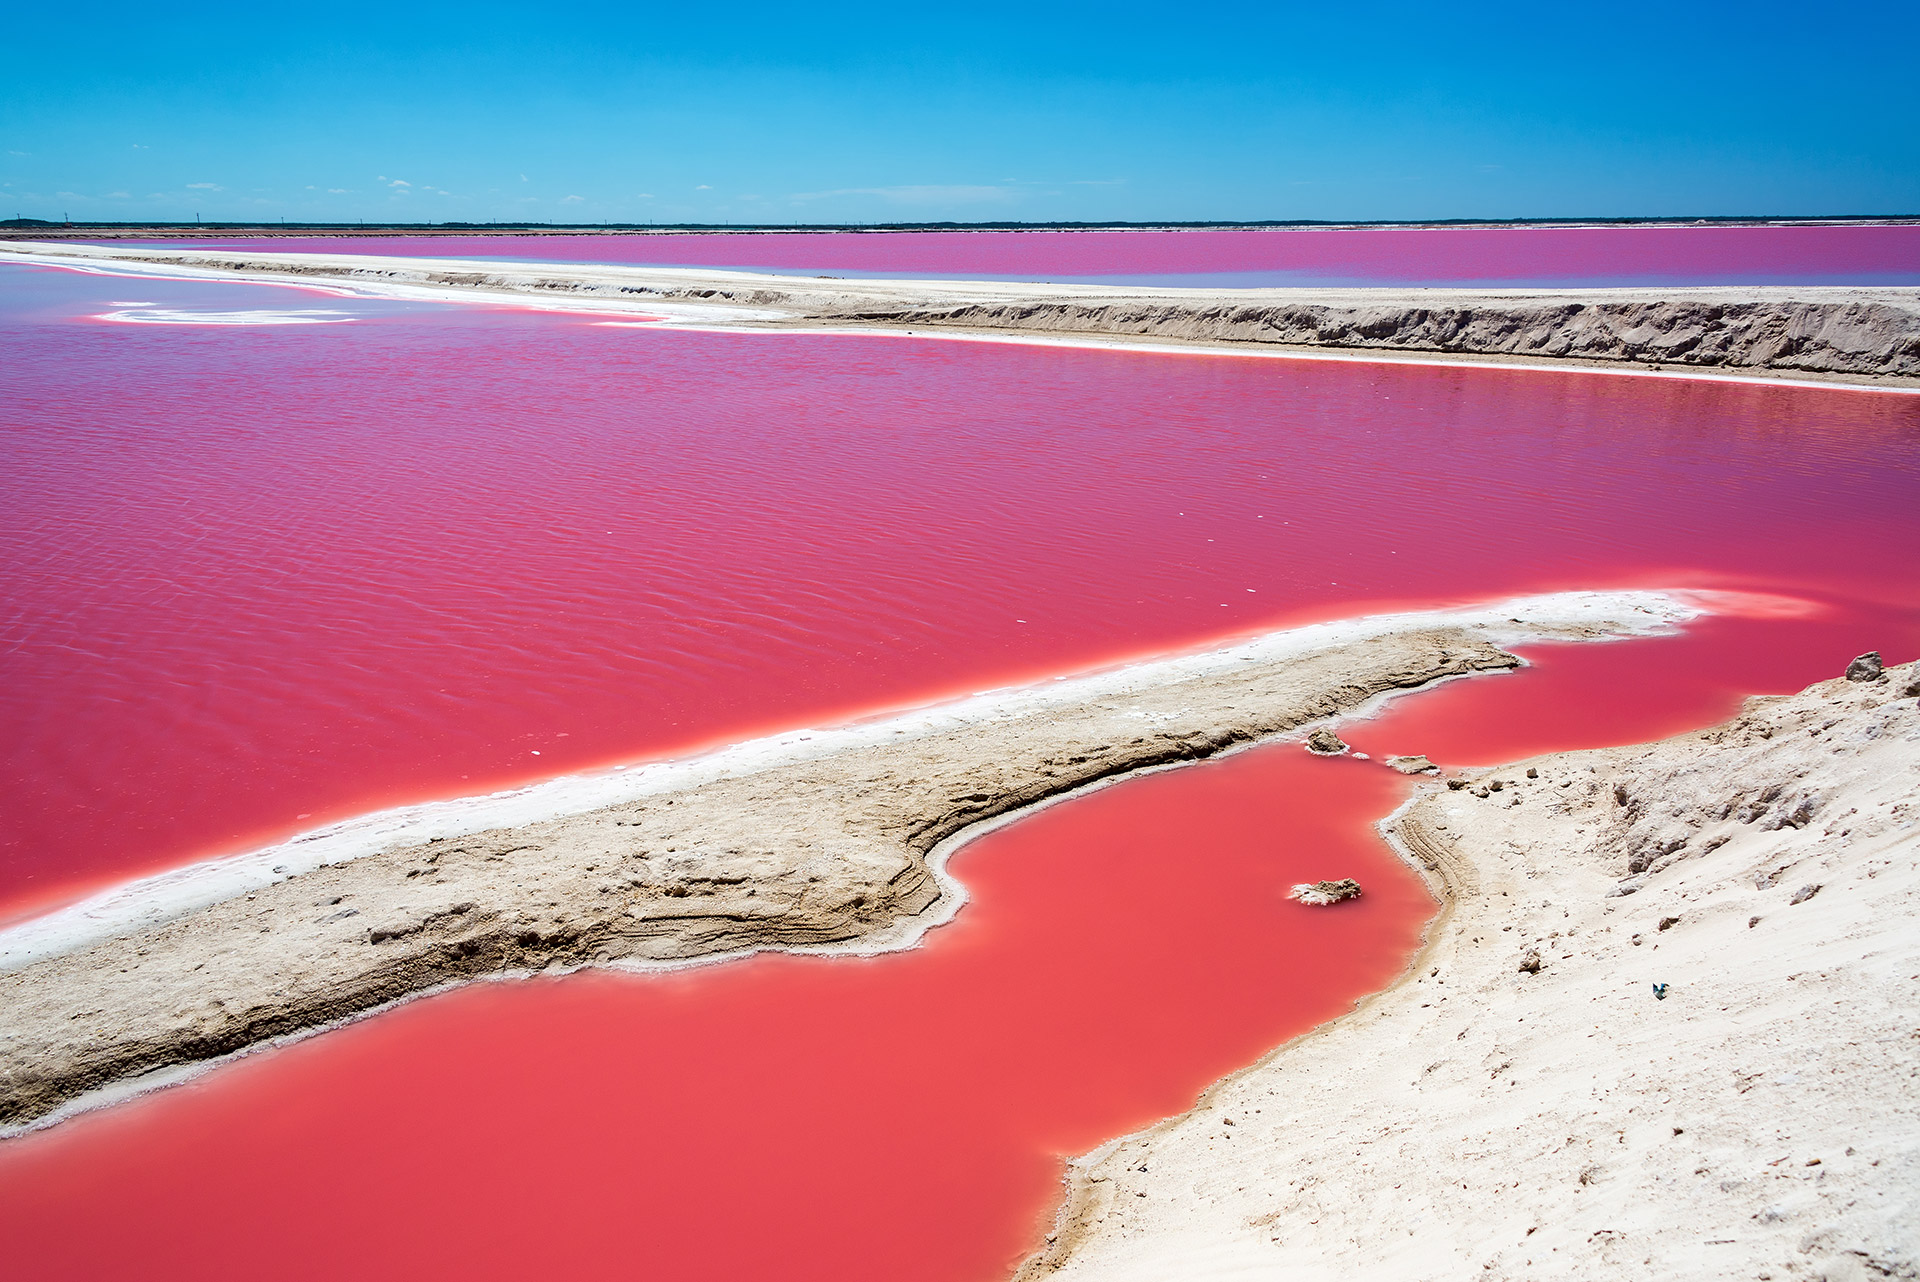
(262, 576)
(1869, 254)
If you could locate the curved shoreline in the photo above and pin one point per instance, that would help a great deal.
(1568, 1121)
(1832, 335)
(836, 847)
(1085, 1204)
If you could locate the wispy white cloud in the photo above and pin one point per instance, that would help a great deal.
(399, 182)
(205, 187)
(573, 200)
(928, 194)
(703, 187)
(337, 191)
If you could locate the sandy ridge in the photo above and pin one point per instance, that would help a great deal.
(1521, 1105)
(1855, 337)
(841, 850)
(1855, 334)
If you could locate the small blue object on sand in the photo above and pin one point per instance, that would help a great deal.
(1660, 991)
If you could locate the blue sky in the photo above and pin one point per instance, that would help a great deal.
(897, 112)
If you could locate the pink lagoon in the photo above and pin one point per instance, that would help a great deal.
(270, 575)
(960, 645)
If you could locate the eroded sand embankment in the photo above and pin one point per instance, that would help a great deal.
(1524, 1106)
(1848, 334)
(834, 849)
(1803, 336)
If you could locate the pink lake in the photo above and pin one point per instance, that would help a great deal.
(1836, 254)
(262, 577)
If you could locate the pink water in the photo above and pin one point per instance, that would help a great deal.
(1540, 256)
(263, 577)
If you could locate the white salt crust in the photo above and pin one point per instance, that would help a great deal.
(149, 901)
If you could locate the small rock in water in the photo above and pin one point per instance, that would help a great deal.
(1866, 668)
(1326, 743)
(1417, 764)
(1319, 893)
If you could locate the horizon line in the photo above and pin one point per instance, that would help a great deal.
(362, 226)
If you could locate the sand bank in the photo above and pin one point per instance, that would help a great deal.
(829, 840)
(1523, 1105)
(1852, 335)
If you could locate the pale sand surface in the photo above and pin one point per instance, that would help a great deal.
(826, 842)
(1836, 334)
(1480, 1121)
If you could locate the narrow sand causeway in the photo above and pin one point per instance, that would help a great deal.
(1860, 335)
(826, 841)
(1524, 1105)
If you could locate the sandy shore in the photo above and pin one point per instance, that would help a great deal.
(832, 840)
(1522, 1105)
(1845, 335)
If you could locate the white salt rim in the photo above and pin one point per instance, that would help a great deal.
(149, 901)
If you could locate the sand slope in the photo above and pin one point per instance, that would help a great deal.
(1482, 1120)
